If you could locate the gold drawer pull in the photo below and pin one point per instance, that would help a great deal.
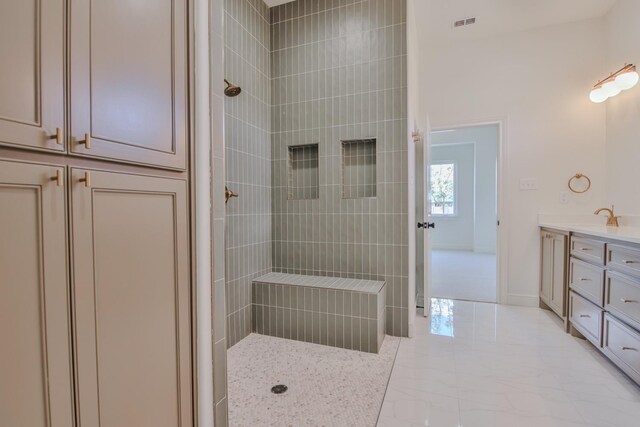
(628, 349)
(627, 301)
(584, 279)
(86, 141)
(585, 315)
(585, 249)
(86, 179)
(59, 178)
(58, 136)
(627, 261)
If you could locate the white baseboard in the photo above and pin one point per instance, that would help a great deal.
(523, 300)
(451, 248)
(484, 250)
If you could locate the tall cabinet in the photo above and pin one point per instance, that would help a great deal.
(95, 263)
(35, 372)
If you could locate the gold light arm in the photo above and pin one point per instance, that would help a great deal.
(612, 76)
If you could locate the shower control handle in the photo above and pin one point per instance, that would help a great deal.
(426, 225)
(229, 194)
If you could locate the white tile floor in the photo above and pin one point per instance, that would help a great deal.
(475, 282)
(479, 364)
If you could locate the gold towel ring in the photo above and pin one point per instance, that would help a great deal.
(579, 176)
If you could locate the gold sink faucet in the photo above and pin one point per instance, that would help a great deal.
(612, 220)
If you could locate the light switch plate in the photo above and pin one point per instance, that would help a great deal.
(528, 184)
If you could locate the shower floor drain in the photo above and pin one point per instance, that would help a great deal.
(279, 389)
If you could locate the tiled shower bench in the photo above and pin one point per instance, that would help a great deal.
(339, 312)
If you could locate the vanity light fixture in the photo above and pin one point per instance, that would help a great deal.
(623, 79)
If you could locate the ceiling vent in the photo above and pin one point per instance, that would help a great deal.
(464, 22)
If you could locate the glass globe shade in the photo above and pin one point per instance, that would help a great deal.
(598, 95)
(627, 80)
(611, 89)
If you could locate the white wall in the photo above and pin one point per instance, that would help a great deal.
(456, 232)
(536, 82)
(623, 111)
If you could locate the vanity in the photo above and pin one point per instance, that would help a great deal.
(590, 277)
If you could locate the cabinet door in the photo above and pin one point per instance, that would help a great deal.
(132, 307)
(32, 74)
(546, 270)
(558, 276)
(35, 371)
(129, 80)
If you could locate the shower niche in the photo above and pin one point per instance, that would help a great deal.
(358, 168)
(303, 178)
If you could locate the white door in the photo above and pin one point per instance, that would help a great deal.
(427, 218)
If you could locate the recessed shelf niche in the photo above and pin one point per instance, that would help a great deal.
(303, 179)
(358, 168)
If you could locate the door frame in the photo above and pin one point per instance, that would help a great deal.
(201, 196)
(502, 254)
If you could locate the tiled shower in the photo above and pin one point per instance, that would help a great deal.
(316, 147)
(247, 157)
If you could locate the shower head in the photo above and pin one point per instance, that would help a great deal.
(231, 90)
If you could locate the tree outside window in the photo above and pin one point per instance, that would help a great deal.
(443, 189)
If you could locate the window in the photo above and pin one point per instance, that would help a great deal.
(443, 188)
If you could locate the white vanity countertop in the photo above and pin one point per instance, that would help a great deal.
(594, 226)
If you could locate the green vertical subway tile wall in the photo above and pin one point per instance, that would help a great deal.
(247, 124)
(338, 73)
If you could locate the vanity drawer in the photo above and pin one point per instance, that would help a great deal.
(586, 318)
(587, 280)
(623, 259)
(587, 249)
(622, 345)
(622, 297)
